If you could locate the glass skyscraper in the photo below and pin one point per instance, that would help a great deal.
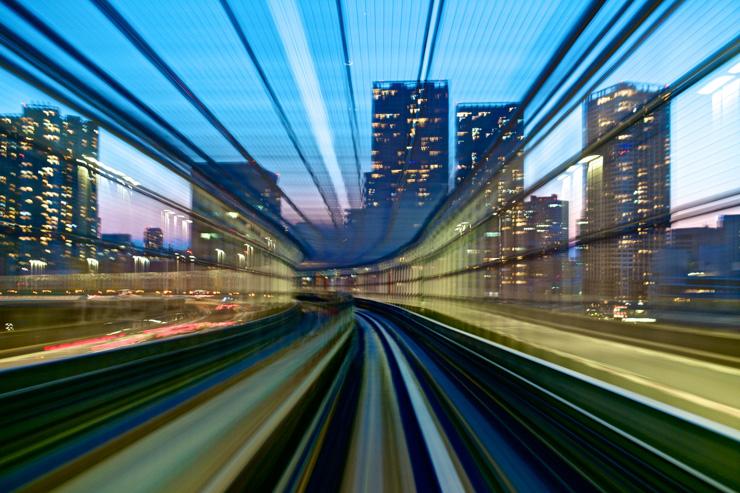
(410, 142)
(627, 194)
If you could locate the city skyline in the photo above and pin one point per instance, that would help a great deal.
(467, 85)
(131, 162)
(178, 231)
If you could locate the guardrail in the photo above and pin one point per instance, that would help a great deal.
(715, 345)
(25, 378)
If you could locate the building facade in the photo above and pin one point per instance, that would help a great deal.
(479, 125)
(248, 183)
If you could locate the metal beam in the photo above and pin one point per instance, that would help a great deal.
(145, 49)
(278, 107)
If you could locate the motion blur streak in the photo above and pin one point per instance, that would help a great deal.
(378, 425)
(326, 396)
(369, 245)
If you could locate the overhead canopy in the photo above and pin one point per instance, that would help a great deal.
(287, 84)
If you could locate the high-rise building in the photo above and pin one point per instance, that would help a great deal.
(48, 190)
(546, 225)
(694, 243)
(627, 194)
(479, 125)
(9, 149)
(153, 238)
(545, 240)
(80, 138)
(409, 153)
(247, 181)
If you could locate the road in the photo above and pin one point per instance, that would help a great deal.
(327, 397)
(60, 327)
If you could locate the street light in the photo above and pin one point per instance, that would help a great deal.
(141, 262)
(38, 266)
